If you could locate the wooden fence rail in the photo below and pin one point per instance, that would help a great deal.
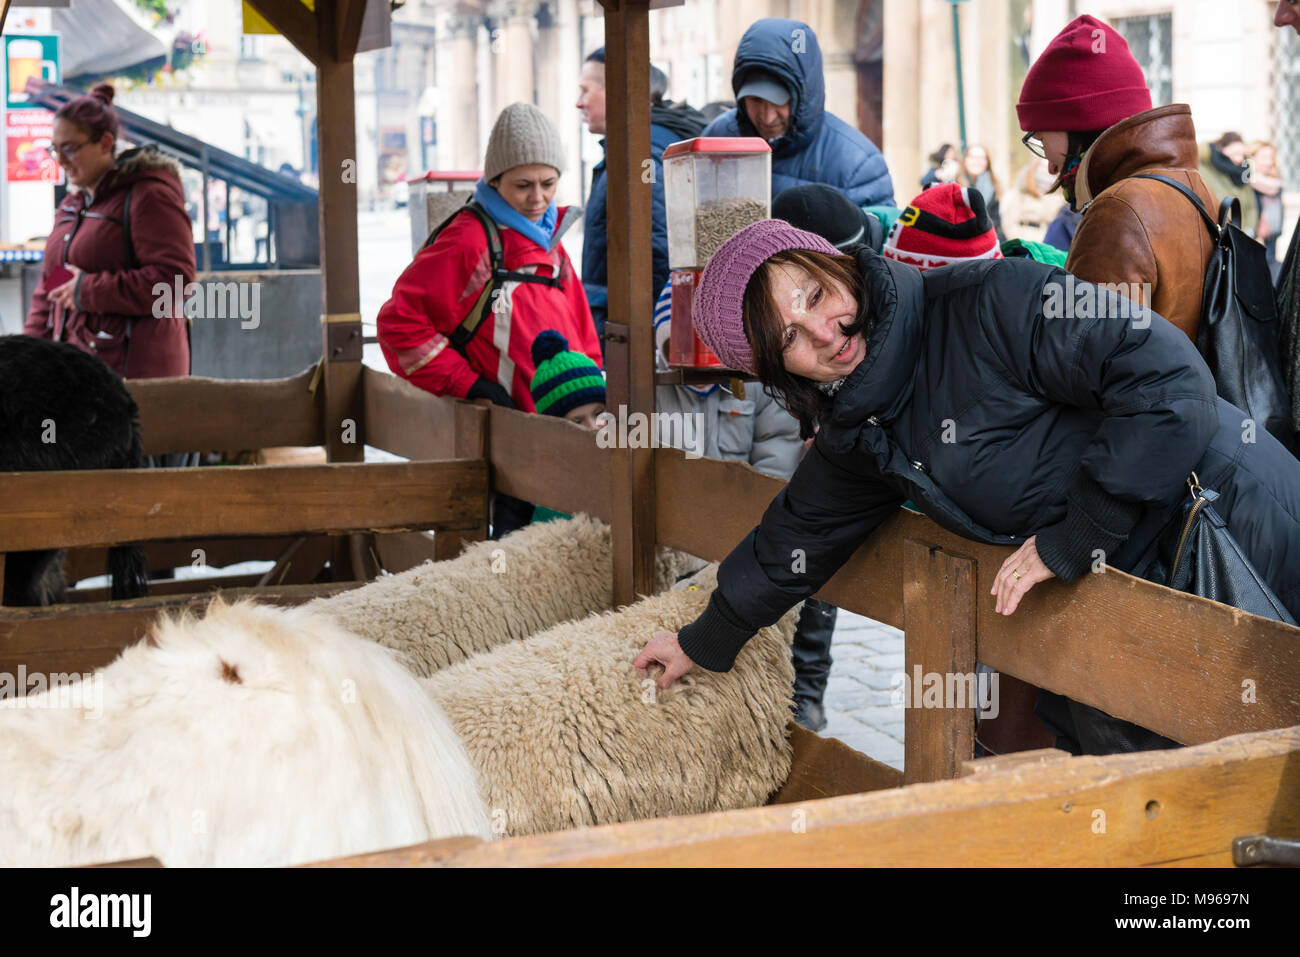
(1184, 667)
(70, 509)
(1156, 808)
(194, 414)
(79, 638)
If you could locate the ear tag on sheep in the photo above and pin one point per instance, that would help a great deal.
(692, 587)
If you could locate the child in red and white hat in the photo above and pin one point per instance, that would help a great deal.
(945, 224)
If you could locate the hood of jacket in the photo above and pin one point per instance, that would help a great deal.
(1163, 138)
(134, 165)
(680, 119)
(769, 45)
(881, 385)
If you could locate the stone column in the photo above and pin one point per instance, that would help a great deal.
(559, 61)
(458, 93)
(512, 51)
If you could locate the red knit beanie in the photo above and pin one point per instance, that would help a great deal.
(945, 224)
(1086, 79)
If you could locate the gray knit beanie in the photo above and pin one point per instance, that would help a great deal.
(522, 135)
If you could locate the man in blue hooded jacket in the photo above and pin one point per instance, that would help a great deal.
(781, 96)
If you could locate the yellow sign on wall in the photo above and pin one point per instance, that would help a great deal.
(254, 22)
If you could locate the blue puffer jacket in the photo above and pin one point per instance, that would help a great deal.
(819, 147)
(668, 124)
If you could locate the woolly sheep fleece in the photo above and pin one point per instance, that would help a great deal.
(565, 733)
(495, 592)
(253, 736)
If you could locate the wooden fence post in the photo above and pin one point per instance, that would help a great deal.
(629, 346)
(469, 441)
(939, 658)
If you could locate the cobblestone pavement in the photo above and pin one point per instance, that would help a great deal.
(866, 655)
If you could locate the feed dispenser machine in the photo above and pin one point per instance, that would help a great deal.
(714, 186)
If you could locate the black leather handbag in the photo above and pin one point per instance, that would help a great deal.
(1194, 553)
(1239, 335)
(1209, 562)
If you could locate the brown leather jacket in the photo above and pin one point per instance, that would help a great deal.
(1138, 231)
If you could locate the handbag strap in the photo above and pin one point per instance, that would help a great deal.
(1196, 200)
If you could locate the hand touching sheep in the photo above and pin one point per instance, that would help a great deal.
(663, 649)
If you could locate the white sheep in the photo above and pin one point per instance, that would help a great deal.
(266, 736)
(255, 735)
(495, 592)
(565, 732)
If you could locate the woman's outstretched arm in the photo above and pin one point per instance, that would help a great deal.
(832, 504)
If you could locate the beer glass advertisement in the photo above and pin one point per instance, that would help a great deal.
(28, 129)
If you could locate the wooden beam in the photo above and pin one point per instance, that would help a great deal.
(406, 420)
(402, 551)
(292, 19)
(341, 339)
(67, 509)
(629, 352)
(80, 638)
(939, 603)
(193, 413)
(826, 767)
(135, 862)
(469, 441)
(551, 462)
(348, 18)
(418, 855)
(1155, 808)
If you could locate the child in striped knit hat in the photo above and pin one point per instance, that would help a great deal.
(566, 384)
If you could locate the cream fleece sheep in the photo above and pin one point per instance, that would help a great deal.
(495, 592)
(565, 733)
(253, 736)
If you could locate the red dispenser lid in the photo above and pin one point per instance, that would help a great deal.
(446, 175)
(718, 144)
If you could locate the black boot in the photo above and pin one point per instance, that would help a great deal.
(812, 662)
(809, 714)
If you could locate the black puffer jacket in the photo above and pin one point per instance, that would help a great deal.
(1000, 423)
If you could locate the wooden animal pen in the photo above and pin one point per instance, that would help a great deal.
(1209, 676)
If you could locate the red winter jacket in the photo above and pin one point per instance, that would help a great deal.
(438, 289)
(109, 292)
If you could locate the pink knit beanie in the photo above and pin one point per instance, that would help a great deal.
(717, 308)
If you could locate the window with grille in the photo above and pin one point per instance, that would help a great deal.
(1151, 41)
(1288, 106)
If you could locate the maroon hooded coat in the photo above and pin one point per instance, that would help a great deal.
(115, 297)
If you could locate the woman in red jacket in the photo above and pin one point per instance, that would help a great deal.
(121, 231)
(418, 325)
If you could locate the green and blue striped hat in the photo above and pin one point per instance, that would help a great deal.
(564, 380)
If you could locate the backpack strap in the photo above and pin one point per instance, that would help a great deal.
(1196, 200)
(131, 263)
(469, 326)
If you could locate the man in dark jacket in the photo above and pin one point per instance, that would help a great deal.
(669, 123)
(781, 96)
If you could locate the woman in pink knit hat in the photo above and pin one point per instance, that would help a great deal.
(1002, 417)
(1085, 107)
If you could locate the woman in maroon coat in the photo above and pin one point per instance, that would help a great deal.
(97, 291)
